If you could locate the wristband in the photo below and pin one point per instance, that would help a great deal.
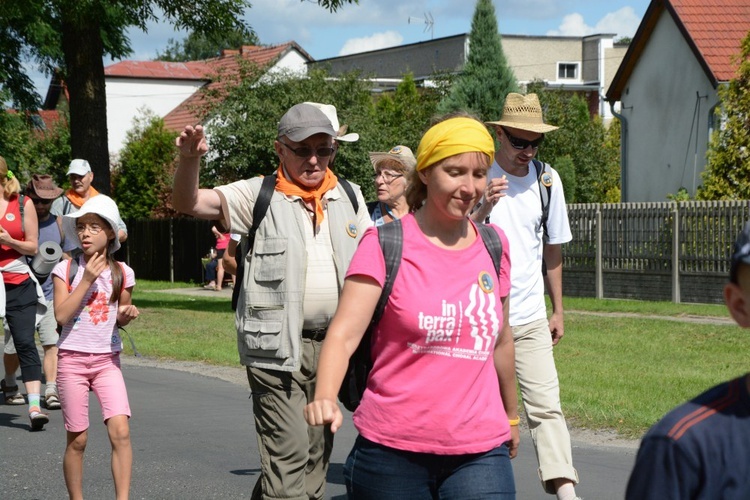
(514, 421)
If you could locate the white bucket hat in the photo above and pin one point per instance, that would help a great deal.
(101, 205)
(330, 111)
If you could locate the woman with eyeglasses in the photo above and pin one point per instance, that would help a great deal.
(392, 170)
(23, 297)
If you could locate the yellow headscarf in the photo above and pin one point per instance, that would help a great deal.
(451, 137)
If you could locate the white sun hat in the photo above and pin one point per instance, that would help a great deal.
(330, 111)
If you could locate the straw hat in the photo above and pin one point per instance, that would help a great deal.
(401, 154)
(524, 113)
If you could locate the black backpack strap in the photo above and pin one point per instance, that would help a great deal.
(391, 237)
(493, 243)
(353, 386)
(21, 201)
(544, 179)
(262, 202)
(349, 190)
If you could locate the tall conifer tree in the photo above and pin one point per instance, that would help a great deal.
(486, 78)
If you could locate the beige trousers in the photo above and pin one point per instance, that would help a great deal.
(540, 390)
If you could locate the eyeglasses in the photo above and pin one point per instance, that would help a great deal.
(388, 176)
(40, 201)
(93, 228)
(522, 144)
(307, 152)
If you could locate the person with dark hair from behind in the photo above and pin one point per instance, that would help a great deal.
(701, 449)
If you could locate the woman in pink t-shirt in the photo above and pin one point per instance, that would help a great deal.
(439, 416)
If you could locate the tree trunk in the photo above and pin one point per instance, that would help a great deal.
(83, 51)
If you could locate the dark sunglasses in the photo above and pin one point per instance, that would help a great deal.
(522, 144)
(307, 152)
(40, 201)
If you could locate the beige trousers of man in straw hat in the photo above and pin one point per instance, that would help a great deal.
(513, 202)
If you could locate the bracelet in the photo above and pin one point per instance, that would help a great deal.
(514, 421)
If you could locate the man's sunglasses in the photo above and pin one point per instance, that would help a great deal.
(522, 144)
(40, 201)
(307, 152)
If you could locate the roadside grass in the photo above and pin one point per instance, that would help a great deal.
(616, 373)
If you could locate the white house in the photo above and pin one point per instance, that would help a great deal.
(172, 90)
(667, 88)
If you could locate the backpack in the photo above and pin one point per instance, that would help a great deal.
(544, 179)
(391, 240)
(267, 187)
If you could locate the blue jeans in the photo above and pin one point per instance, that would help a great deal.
(373, 471)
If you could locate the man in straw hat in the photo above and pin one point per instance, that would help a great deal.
(514, 201)
(291, 284)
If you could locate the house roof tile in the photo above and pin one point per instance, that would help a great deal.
(194, 109)
(713, 29)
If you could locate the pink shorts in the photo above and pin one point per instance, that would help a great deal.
(79, 371)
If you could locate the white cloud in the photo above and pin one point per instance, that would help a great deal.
(372, 42)
(623, 22)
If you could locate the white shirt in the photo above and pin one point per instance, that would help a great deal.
(519, 214)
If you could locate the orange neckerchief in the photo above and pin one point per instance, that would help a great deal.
(77, 200)
(309, 195)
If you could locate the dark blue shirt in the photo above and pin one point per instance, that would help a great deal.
(700, 450)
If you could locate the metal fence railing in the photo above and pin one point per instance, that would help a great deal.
(670, 240)
(667, 250)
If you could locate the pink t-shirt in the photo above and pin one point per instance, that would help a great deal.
(93, 329)
(433, 387)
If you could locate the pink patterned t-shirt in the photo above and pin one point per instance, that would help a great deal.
(93, 328)
(433, 387)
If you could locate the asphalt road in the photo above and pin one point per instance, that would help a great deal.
(193, 438)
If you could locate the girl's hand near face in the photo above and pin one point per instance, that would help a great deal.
(94, 267)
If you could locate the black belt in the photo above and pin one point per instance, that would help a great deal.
(315, 334)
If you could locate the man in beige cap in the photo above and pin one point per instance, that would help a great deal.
(518, 194)
(290, 288)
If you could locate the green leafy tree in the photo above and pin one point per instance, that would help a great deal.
(29, 146)
(243, 125)
(727, 174)
(593, 149)
(197, 46)
(486, 78)
(403, 116)
(145, 168)
(75, 36)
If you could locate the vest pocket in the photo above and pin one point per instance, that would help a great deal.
(262, 333)
(271, 259)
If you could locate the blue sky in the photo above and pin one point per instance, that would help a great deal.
(375, 24)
